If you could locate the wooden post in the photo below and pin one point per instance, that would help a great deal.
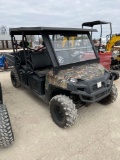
(6, 44)
(3, 46)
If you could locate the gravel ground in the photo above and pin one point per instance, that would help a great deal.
(94, 136)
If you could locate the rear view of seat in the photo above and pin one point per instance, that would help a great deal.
(22, 57)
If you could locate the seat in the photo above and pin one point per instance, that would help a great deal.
(22, 57)
(41, 73)
(41, 63)
(24, 67)
(40, 60)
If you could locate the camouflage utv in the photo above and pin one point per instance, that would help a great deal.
(65, 72)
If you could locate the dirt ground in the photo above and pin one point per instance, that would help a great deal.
(94, 136)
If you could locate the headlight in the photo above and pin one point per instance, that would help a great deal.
(73, 80)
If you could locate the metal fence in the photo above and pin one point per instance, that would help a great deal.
(6, 44)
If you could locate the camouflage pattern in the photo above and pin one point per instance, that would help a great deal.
(84, 72)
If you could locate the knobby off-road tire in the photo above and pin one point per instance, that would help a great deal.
(63, 111)
(111, 97)
(6, 134)
(115, 74)
(15, 79)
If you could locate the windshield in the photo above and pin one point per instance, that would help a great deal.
(72, 49)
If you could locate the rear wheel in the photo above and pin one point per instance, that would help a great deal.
(15, 79)
(63, 111)
(111, 97)
(6, 134)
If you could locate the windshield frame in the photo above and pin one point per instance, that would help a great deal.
(79, 62)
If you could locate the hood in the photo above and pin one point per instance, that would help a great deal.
(84, 72)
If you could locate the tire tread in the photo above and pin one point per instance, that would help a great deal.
(17, 84)
(69, 109)
(6, 134)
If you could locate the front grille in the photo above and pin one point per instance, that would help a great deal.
(100, 95)
(81, 89)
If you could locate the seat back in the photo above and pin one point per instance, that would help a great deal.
(22, 57)
(40, 60)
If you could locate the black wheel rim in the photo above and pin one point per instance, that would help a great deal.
(13, 79)
(59, 113)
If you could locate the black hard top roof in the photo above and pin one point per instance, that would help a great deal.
(50, 30)
(91, 24)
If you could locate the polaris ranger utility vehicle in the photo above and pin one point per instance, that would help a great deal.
(66, 77)
(6, 134)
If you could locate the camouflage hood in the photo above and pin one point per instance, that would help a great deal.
(84, 72)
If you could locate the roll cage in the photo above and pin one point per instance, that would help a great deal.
(45, 32)
(101, 23)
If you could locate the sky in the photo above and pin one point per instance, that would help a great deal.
(59, 13)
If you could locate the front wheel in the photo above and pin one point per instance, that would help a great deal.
(63, 111)
(111, 98)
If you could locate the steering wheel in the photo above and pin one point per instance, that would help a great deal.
(77, 55)
(39, 49)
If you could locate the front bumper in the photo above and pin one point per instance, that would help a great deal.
(93, 97)
(87, 94)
